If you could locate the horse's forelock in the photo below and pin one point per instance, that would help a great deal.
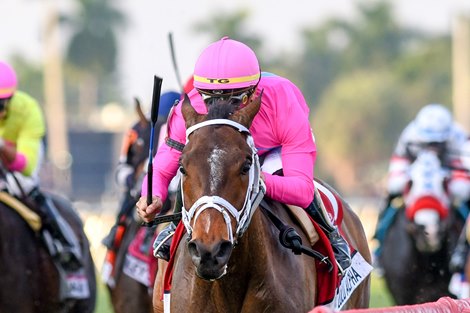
(220, 108)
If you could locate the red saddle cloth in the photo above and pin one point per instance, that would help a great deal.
(135, 250)
(327, 282)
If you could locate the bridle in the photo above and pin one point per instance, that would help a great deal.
(254, 193)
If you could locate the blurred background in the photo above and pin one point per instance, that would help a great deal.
(365, 67)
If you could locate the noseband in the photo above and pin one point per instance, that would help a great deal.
(254, 194)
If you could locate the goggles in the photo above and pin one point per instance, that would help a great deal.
(236, 95)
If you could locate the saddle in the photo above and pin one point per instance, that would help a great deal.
(305, 223)
(30, 216)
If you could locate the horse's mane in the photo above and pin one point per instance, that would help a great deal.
(221, 108)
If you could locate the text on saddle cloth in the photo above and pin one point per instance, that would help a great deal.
(140, 266)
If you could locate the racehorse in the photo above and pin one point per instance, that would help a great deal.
(127, 293)
(216, 269)
(30, 279)
(417, 248)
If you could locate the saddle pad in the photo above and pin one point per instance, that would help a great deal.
(334, 290)
(77, 285)
(142, 267)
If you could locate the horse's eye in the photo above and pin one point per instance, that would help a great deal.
(246, 167)
(182, 170)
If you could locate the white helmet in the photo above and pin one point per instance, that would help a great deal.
(433, 123)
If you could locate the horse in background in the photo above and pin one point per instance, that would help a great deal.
(130, 284)
(417, 248)
(215, 268)
(30, 278)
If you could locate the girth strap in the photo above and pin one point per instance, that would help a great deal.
(290, 239)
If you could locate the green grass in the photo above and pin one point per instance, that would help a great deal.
(379, 294)
(103, 301)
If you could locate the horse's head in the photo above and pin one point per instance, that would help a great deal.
(139, 147)
(220, 180)
(427, 202)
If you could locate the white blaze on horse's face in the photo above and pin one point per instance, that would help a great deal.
(216, 162)
(429, 219)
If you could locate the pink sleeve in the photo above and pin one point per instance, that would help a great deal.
(298, 153)
(19, 163)
(165, 162)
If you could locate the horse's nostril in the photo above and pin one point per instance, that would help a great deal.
(224, 252)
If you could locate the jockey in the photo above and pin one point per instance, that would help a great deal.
(230, 69)
(134, 154)
(22, 131)
(433, 128)
(459, 256)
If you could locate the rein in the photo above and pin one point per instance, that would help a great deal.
(290, 239)
(254, 194)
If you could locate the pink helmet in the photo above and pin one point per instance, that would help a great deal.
(226, 64)
(8, 81)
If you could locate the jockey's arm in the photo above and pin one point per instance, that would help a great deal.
(165, 165)
(24, 155)
(298, 150)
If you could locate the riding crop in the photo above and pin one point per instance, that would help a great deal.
(157, 88)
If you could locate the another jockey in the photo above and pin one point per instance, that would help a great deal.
(459, 256)
(132, 160)
(22, 131)
(230, 69)
(433, 128)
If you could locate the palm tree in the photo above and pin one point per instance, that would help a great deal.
(93, 49)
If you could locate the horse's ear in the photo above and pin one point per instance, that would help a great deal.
(246, 115)
(191, 117)
(142, 119)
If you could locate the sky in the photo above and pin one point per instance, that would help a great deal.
(145, 47)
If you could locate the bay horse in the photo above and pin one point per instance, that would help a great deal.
(216, 269)
(417, 248)
(128, 294)
(30, 280)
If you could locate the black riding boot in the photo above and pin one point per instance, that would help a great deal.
(338, 243)
(161, 245)
(459, 256)
(60, 240)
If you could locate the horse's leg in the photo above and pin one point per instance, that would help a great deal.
(158, 287)
(130, 296)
